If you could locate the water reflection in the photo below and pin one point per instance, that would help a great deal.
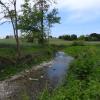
(59, 67)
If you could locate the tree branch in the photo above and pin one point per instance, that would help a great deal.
(4, 22)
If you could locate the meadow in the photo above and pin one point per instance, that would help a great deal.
(57, 41)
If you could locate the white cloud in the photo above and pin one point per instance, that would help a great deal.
(81, 10)
(79, 5)
(8, 3)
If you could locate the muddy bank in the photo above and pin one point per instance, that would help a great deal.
(28, 84)
(10, 88)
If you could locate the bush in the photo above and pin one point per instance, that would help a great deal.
(78, 43)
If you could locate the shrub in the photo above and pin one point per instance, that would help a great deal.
(78, 43)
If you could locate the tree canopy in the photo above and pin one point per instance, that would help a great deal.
(37, 20)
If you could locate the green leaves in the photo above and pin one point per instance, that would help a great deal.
(53, 18)
(38, 19)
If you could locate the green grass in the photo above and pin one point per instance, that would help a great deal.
(59, 42)
(64, 42)
(7, 41)
(82, 82)
(31, 54)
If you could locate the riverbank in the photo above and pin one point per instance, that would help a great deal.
(82, 82)
(31, 56)
(13, 85)
(29, 84)
(27, 71)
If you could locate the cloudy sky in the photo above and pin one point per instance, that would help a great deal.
(77, 17)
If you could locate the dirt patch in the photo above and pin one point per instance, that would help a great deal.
(26, 83)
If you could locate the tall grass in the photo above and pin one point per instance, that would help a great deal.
(82, 81)
(30, 56)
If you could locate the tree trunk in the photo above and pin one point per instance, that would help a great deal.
(14, 24)
(18, 46)
(16, 30)
(42, 22)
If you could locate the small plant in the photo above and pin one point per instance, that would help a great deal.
(78, 43)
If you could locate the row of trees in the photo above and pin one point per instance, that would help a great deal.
(34, 20)
(91, 37)
(68, 37)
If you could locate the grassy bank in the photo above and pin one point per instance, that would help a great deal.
(31, 55)
(82, 81)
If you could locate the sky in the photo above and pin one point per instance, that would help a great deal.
(80, 17)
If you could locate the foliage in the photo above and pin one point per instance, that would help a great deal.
(52, 18)
(65, 37)
(82, 81)
(73, 37)
(37, 20)
(68, 37)
(78, 43)
(91, 37)
(29, 21)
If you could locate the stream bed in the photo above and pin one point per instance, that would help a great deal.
(29, 85)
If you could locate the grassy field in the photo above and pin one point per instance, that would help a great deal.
(52, 41)
(60, 42)
(82, 82)
(63, 42)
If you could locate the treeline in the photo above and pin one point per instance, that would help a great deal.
(68, 37)
(91, 37)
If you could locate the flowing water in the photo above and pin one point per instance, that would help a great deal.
(28, 86)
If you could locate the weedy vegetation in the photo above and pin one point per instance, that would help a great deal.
(82, 81)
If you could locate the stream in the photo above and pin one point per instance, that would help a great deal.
(28, 86)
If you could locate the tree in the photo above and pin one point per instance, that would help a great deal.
(37, 20)
(73, 37)
(29, 21)
(47, 19)
(95, 37)
(52, 19)
(65, 37)
(13, 16)
(42, 6)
